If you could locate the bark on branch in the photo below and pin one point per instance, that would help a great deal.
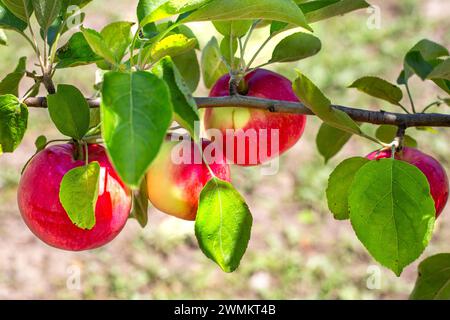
(359, 115)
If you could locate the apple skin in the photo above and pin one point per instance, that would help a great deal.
(261, 83)
(431, 168)
(174, 188)
(38, 198)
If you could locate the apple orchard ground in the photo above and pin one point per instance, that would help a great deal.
(297, 250)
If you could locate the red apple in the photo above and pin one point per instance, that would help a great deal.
(431, 168)
(178, 175)
(39, 204)
(257, 125)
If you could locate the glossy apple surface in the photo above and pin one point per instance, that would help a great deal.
(255, 125)
(178, 175)
(38, 198)
(431, 168)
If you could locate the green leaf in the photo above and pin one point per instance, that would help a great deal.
(237, 28)
(223, 224)
(320, 10)
(189, 68)
(212, 65)
(22, 9)
(9, 21)
(281, 10)
(117, 38)
(339, 186)
(140, 204)
(330, 141)
(165, 8)
(46, 11)
(415, 63)
(296, 47)
(433, 282)
(40, 143)
(78, 194)
(3, 38)
(228, 49)
(13, 122)
(98, 45)
(315, 100)
(441, 71)
(172, 46)
(387, 134)
(136, 114)
(10, 84)
(76, 52)
(392, 211)
(145, 8)
(430, 50)
(379, 88)
(184, 105)
(69, 111)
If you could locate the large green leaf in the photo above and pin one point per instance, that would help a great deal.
(281, 10)
(22, 9)
(13, 122)
(223, 224)
(173, 45)
(76, 52)
(339, 185)
(10, 84)
(379, 88)
(136, 114)
(184, 106)
(433, 282)
(315, 100)
(9, 21)
(295, 47)
(117, 38)
(441, 71)
(46, 11)
(69, 111)
(392, 211)
(212, 65)
(78, 194)
(98, 45)
(330, 141)
(189, 68)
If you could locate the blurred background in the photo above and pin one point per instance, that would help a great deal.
(297, 249)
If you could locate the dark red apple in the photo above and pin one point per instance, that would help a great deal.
(257, 125)
(431, 168)
(39, 204)
(178, 175)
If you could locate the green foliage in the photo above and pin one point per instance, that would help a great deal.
(136, 113)
(76, 52)
(433, 282)
(330, 141)
(69, 111)
(172, 46)
(40, 143)
(10, 84)
(22, 9)
(46, 12)
(387, 134)
(441, 71)
(339, 186)
(13, 122)
(379, 88)
(3, 38)
(140, 204)
(9, 21)
(392, 211)
(213, 66)
(223, 224)
(296, 47)
(78, 194)
(189, 68)
(237, 28)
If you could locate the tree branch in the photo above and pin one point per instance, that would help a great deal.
(359, 115)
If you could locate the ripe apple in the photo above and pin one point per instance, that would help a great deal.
(257, 126)
(38, 198)
(178, 175)
(431, 168)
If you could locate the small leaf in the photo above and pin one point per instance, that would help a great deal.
(212, 65)
(315, 100)
(430, 50)
(189, 68)
(379, 88)
(9, 21)
(40, 143)
(433, 282)
(145, 8)
(117, 38)
(3, 38)
(79, 193)
(46, 11)
(13, 122)
(98, 45)
(140, 204)
(330, 141)
(184, 105)
(392, 211)
(22, 9)
(10, 84)
(69, 111)
(172, 46)
(416, 63)
(228, 49)
(236, 28)
(296, 47)
(387, 134)
(441, 71)
(76, 52)
(136, 114)
(223, 224)
(339, 186)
